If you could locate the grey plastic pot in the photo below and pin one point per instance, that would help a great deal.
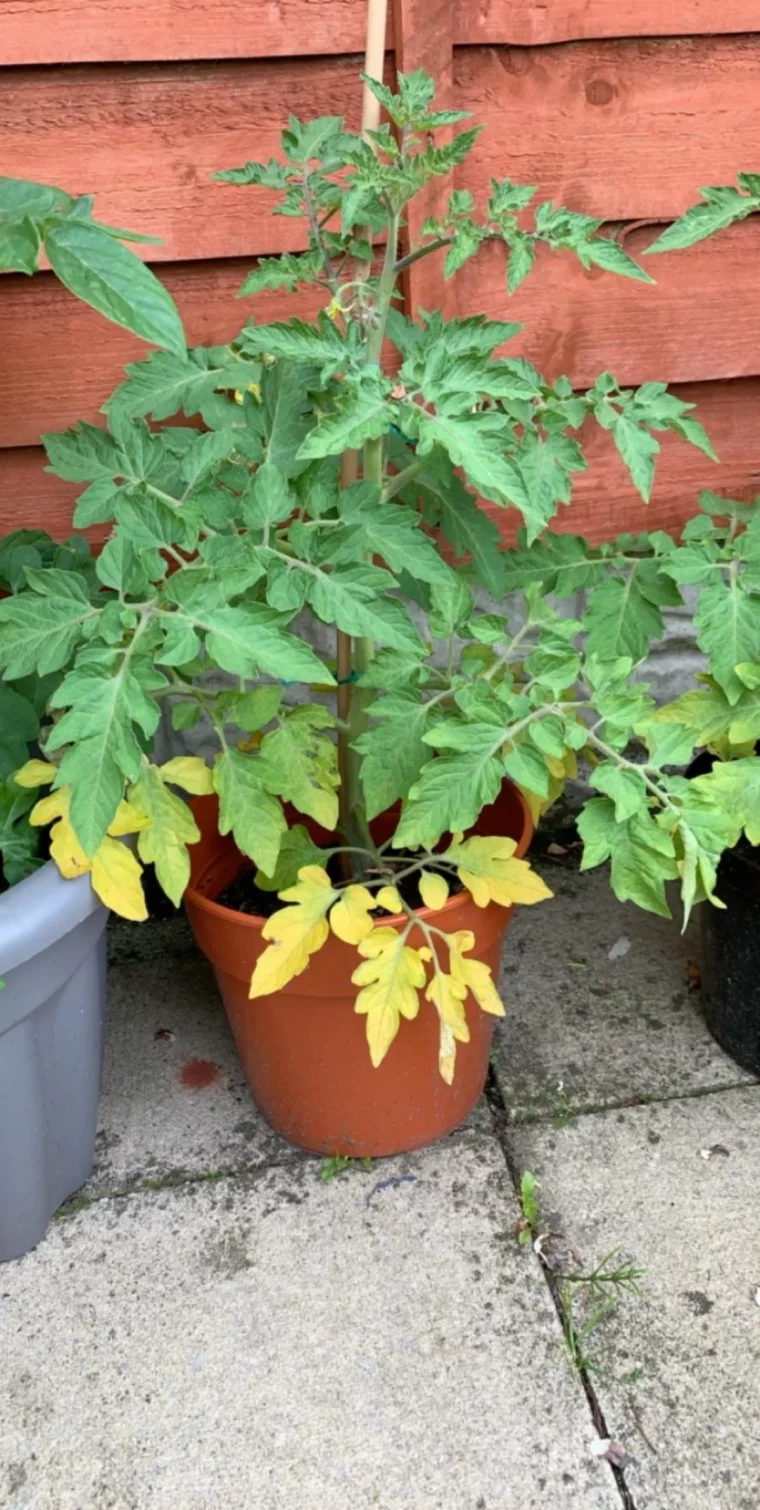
(52, 1012)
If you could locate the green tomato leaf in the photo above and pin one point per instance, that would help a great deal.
(104, 274)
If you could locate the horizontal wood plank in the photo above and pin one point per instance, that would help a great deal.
(61, 360)
(701, 320)
(86, 31)
(624, 130)
(145, 142)
(604, 502)
(540, 21)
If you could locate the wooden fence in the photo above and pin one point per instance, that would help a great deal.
(619, 108)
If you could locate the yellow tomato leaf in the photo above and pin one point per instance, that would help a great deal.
(390, 978)
(117, 879)
(295, 932)
(473, 974)
(55, 805)
(35, 773)
(448, 996)
(66, 851)
(127, 820)
(167, 829)
(189, 772)
(488, 869)
(389, 898)
(350, 918)
(433, 890)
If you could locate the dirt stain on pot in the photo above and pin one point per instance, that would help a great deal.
(197, 1074)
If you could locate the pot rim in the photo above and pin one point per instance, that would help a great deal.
(40, 910)
(253, 921)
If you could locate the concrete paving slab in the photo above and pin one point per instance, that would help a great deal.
(601, 1006)
(272, 1342)
(175, 1099)
(676, 1184)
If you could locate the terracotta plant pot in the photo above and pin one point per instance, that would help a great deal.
(304, 1049)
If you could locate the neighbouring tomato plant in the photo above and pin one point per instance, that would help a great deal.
(331, 498)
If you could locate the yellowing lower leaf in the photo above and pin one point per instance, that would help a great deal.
(295, 932)
(127, 820)
(473, 974)
(35, 773)
(389, 898)
(390, 978)
(168, 827)
(66, 851)
(117, 880)
(350, 918)
(55, 805)
(189, 772)
(488, 869)
(433, 890)
(448, 996)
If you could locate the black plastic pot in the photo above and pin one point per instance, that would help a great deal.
(731, 958)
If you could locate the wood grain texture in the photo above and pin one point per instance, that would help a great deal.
(424, 40)
(89, 31)
(540, 21)
(145, 142)
(625, 130)
(701, 320)
(604, 502)
(61, 360)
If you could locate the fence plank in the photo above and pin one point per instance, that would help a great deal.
(701, 321)
(626, 130)
(609, 129)
(87, 31)
(145, 142)
(604, 503)
(541, 21)
(61, 360)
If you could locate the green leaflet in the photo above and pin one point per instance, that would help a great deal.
(562, 564)
(243, 639)
(18, 840)
(390, 531)
(710, 716)
(625, 786)
(285, 416)
(466, 527)
(296, 850)
(393, 751)
(723, 206)
(107, 712)
(298, 760)
(167, 383)
(477, 443)
(19, 725)
(643, 856)
(623, 616)
(39, 630)
(349, 599)
(298, 341)
(728, 620)
(450, 793)
(363, 411)
(734, 788)
(103, 273)
(638, 449)
(246, 810)
(172, 828)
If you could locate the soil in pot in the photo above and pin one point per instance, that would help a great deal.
(304, 1049)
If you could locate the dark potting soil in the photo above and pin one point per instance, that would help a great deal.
(243, 895)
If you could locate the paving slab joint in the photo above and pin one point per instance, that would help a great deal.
(501, 1128)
